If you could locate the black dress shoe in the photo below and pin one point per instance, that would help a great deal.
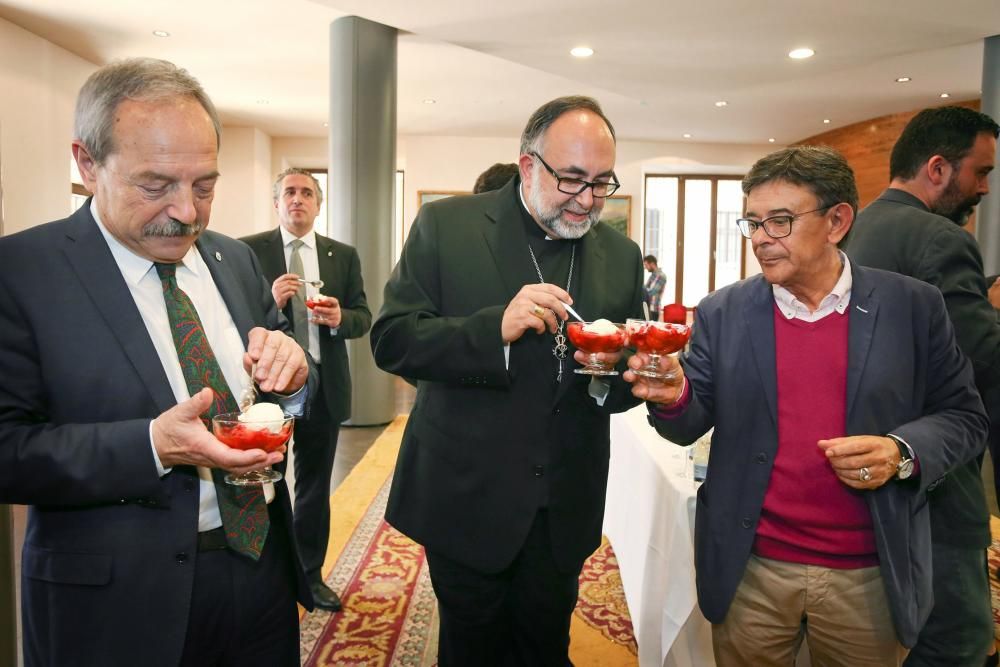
(324, 598)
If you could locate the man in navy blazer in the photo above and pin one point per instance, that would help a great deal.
(838, 396)
(340, 314)
(125, 562)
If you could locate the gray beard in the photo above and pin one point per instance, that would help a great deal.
(173, 228)
(552, 219)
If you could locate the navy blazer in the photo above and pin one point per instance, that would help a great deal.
(108, 561)
(905, 374)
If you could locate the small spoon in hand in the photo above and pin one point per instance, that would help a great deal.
(569, 309)
(249, 395)
(318, 284)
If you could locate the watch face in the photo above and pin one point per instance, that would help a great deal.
(904, 469)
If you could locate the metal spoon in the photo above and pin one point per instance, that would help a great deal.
(318, 284)
(569, 309)
(249, 395)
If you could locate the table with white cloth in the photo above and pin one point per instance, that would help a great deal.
(649, 520)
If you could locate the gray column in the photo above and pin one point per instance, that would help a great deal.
(988, 214)
(361, 183)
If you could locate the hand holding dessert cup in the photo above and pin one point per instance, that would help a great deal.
(262, 426)
(655, 340)
(597, 340)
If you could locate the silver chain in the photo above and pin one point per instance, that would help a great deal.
(560, 348)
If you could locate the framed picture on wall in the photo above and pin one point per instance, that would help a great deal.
(617, 213)
(425, 196)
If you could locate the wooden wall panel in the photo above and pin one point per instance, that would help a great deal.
(867, 146)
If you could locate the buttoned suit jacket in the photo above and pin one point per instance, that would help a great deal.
(471, 471)
(340, 271)
(108, 560)
(905, 375)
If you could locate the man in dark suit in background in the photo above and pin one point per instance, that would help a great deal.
(504, 461)
(122, 327)
(938, 171)
(838, 397)
(290, 254)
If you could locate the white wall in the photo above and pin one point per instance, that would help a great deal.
(38, 86)
(242, 202)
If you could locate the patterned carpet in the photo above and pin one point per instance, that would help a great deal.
(390, 613)
(993, 557)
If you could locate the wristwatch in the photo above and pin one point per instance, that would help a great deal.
(905, 466)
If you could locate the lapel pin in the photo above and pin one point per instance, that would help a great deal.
(218, 256)
(329, 253)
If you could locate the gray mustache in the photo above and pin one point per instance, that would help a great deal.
(172, 228)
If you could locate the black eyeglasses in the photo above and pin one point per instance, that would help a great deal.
(574, 186)
(777, 226)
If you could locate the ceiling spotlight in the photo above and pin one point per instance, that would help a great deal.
(430, 101)
(161, 33)
(581, 52)
(770, 140)
(826, 121)
(326, 125)
(721, 103)
(902, 79)
(945, 95)
(800, 54)
(686, 135)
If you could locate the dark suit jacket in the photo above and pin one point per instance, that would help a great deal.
(471, 473)
(898, 233)
(340, 271)
(108, 563)
(905, 375)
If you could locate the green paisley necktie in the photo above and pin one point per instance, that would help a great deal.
(243, 509)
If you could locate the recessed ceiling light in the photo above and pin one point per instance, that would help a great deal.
(902, 79)
(581, 52)
(945, 95)
(686, 135)
(161, 33)
(770, 140)
(800, 54)
(430, 101)
(826, 121)
(326, 125)
(721, 103)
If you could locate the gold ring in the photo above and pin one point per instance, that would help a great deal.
(864, 474)
(538, 311)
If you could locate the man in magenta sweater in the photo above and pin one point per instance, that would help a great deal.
(838, 397)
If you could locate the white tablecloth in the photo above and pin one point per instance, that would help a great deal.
(649, 521)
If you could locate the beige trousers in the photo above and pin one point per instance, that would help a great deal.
(842, 614)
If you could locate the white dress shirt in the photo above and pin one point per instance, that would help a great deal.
(195, 279)
(838, 299)
(310, 266)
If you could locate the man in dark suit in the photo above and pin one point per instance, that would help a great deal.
(838, 397)
(504, 461)
(121, 328)
(938, 171)
(339, 314)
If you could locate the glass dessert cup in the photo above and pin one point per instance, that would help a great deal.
(267, 435)
(592, 343)
(656, 339)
